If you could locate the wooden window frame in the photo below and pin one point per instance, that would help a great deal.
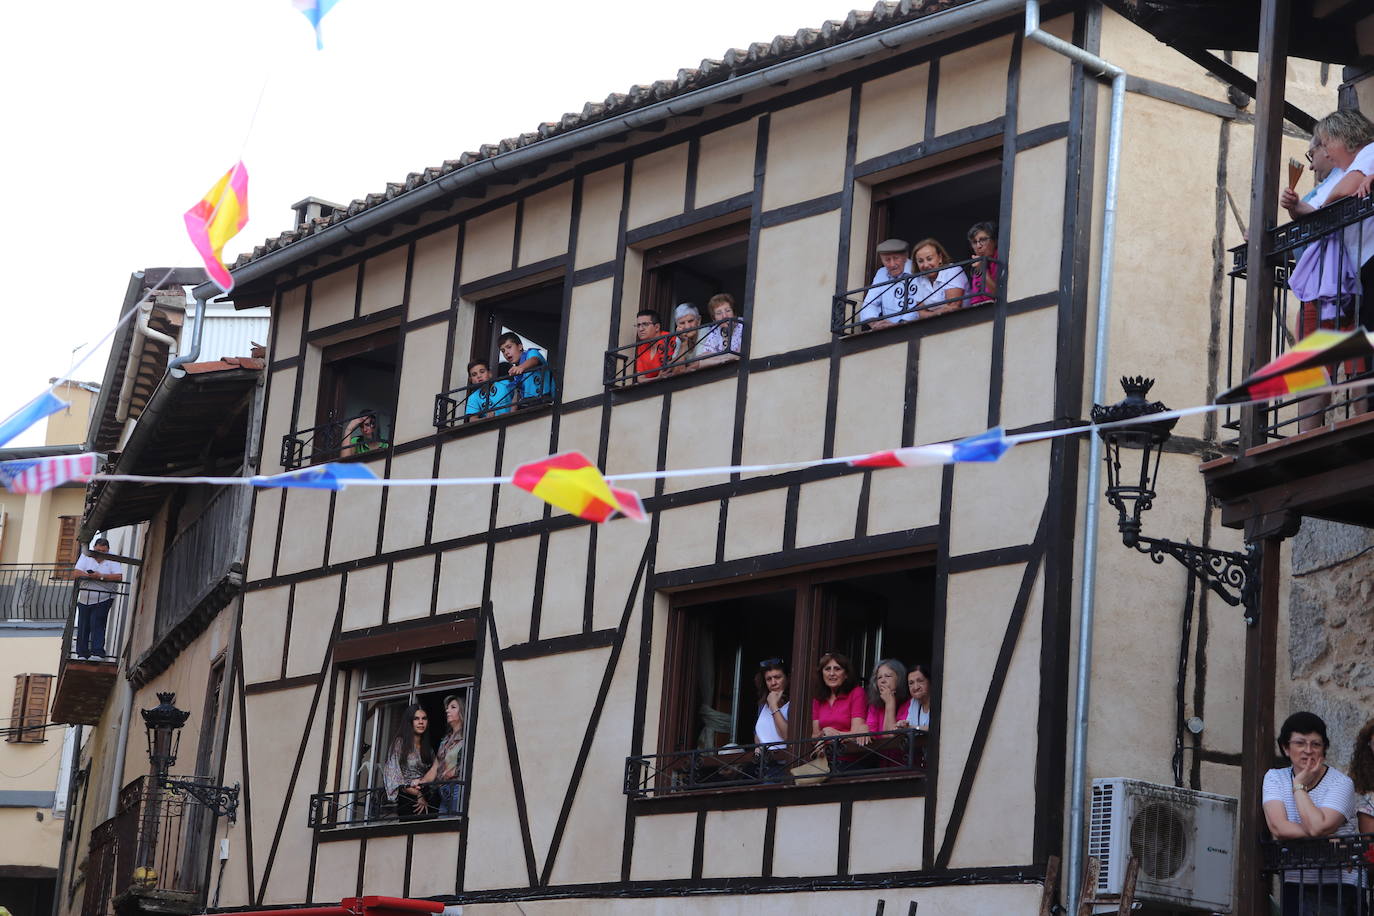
(486, 329)
(29, 713)
(814, 630)
(330, 400)
(652, 294)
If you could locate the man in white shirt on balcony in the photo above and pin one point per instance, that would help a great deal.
(887, 298)
(94, 598)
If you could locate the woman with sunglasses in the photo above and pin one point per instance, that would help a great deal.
(1309, 799)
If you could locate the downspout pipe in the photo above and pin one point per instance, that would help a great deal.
(141, 332)
(174, 367)
(1088, 586)
(929, 28)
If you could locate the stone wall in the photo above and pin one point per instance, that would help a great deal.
(1331, 631)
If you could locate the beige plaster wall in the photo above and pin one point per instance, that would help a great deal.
(1043, 97)
(384, 280)
(544, 224)
(431, 281)
(32, 836)
(820, 128)
(658, 186)
(725, 163)
(599, 221)
(793, 285)
(489, 244)
(422, 377)
(332, 298)
(892, 112)
(1037, 215)
(973, 85)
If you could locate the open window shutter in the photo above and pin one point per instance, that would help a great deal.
(30, 709)
(68, 551)
(36, 708)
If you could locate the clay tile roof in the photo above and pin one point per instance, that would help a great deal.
(225, 364)
(733, 62)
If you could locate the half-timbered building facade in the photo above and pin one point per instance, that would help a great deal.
(604, 675)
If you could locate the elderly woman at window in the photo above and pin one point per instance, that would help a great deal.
(683, 352)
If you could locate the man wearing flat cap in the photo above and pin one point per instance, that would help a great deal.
(889, 294)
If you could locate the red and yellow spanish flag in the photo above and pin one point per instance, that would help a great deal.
(570, 482)
(216, 218)
(1302, 367)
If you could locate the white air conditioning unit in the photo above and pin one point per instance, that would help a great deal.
(1183, 839)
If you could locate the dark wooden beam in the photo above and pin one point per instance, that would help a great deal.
(1257, 730)
(1272, 70)
(1233, 77)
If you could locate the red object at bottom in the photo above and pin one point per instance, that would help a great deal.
(359, 906)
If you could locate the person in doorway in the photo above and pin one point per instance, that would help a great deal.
(448, 760)
(652, 351)
(363, 434)
(94, 598)
(1306, 799)
(486, 397)
(408, 760)
(918, 684)
(888, 298)
(938, 287)
(529, 374)
(982, 241)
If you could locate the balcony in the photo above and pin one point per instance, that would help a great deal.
(148, 857)
(715, 343)
(1307, 455)
(325, 442)
(366, 807)
(747, 767)
(498, 398)
(35, 594)
(1322, 875)
(84, 682)
(911, 297)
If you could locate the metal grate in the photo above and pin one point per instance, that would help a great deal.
(1159, 839)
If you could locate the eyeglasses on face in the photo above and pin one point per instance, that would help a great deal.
(1303, 744)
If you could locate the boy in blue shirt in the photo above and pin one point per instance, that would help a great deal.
(530, 377)
(486, 397)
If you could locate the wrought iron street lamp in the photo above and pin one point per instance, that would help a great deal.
(1232, 576)
(164, 722)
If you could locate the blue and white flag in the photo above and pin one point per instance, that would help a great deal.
(45, 404)
(320, 477)
(314, 10)
(988, 446)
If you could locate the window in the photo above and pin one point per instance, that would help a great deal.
(29, 714)
(68, 550)
(516, 344)
(382, 763)
(696, 271)
(718, 637)
(942, 203)
(359, 379)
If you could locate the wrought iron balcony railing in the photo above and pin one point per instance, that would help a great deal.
(711, 344)
(903, 299)
(900, 752)
(359, 807)
(1323, 875)
(35, 592)
(203, 557)
(497, 398)
(147, 850)
(108, 636)
(327, 442)
(1321, 254)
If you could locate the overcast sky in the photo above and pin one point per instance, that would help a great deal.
(120, 116)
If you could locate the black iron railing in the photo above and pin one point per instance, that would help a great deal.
(677, 353)
(900, 752)
(1320, 254)
(497, 398)
(911, 297)
(1322, 875)
(109, 629)
(35, 592)
(328, 442)
(203, 556)
(142, 852)
(357, 807)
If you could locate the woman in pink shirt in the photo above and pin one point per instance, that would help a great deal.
(889, 699)
(839, 707)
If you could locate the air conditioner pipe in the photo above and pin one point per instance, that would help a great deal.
(1078, 781)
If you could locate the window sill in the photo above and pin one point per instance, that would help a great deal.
(390, 828)
(658, 386)
(906, 784)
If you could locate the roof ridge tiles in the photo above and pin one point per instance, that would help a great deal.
(733, 62)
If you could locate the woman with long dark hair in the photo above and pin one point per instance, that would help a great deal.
(839, 707)
(407, 762)
(1362, 775)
